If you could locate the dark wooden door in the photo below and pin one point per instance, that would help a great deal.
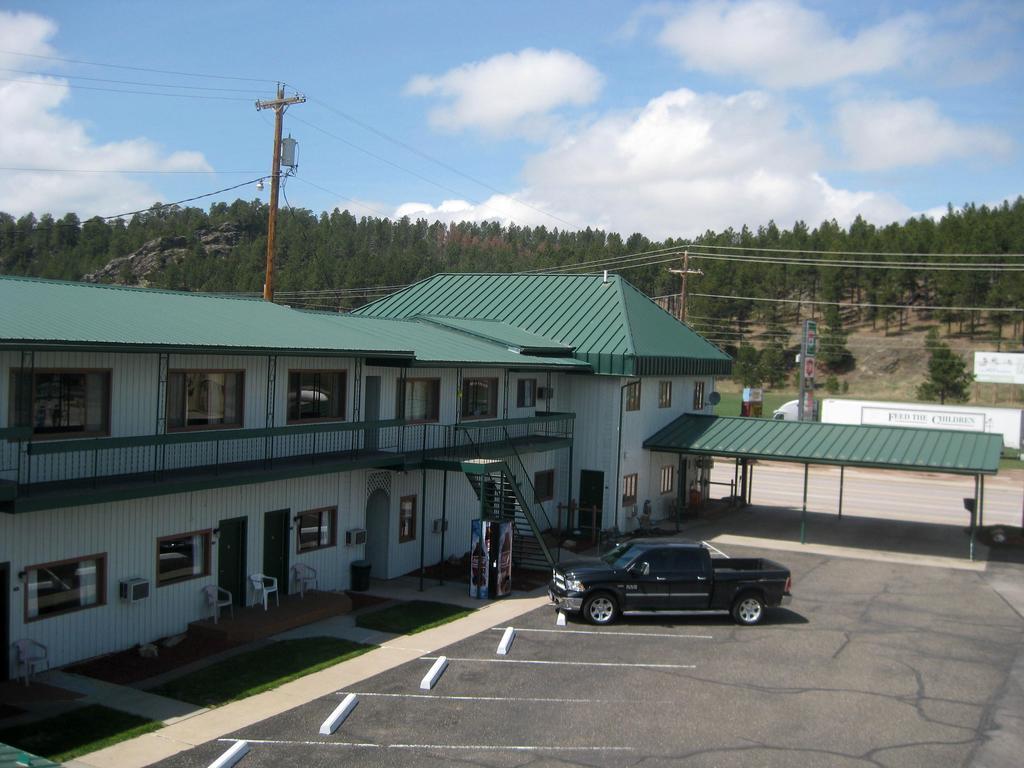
(5, 614)
(231, 559)
(591, 497)
(275, 547)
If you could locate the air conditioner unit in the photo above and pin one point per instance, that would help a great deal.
(440, 525)
(545, 393)
(133, 590)
(355, 536)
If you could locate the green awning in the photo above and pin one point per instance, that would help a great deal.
(850, 445)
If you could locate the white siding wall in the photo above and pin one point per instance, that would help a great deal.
(127, 532)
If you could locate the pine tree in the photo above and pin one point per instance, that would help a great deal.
(948, 378)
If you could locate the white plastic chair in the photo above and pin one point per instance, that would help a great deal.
(217, 598)
(305, 577)
(262, 586)
(30, 653)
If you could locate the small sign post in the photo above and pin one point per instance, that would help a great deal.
(808, 352)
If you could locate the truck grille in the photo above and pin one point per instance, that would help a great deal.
(558, 579)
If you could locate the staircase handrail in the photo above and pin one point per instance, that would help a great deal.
(522, 477)
(530, 519)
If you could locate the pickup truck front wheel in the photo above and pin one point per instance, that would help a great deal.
(600, 608)
(748, 609)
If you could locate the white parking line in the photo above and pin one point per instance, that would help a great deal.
(611, 633)
(515, 699)
(569, 663)
(463, 747)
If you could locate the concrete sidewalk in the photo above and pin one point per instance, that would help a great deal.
(188, 731)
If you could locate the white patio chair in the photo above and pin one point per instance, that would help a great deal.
(262, 586)
(30, 654)
(305, 577)
(217, 598)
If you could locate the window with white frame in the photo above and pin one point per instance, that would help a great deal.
(64, 586)
(668, 478)
(182, 557)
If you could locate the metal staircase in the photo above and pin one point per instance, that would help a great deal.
(503, 497)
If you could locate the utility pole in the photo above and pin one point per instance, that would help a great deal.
(279, 105)
(681, 312)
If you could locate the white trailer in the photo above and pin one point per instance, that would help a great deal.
(968, 418)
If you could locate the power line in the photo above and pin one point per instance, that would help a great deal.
(863, 264)
(138, 69)
(853, 304)
(128, 82)
(124, 90)
(699, 244)
(109, 171)
(436, 161)
(338, 194)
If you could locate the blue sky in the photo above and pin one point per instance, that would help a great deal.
(663, 118)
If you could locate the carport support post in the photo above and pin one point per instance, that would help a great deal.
(974, 513)
(444, 524)
(803, 513)
(981, 501)
(842, 469)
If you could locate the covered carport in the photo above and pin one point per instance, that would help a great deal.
(843, 445)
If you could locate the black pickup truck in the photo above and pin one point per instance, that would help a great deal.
(668, 575)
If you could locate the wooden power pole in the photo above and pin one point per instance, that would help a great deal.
(681, 312)
(279, 105)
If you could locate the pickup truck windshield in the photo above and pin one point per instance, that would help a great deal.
(620, 556)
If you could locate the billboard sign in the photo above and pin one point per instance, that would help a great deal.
(999, 367)
(922, 418)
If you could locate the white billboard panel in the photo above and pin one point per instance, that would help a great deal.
(920, 417)
(999, 367)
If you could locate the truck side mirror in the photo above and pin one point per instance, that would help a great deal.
(640, 569)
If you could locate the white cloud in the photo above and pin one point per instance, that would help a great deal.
(779, 44)
(684, 163)
(881, 134)
(34, 134)
(509, 93)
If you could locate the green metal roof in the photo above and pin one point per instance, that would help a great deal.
(11, 757)
(37, 313)
(437, 346)
(851, 445)
(504, 334)
(611, 325)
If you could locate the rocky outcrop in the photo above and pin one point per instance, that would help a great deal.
(155, 255)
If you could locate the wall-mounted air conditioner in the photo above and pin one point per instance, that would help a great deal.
(355, 536)
(440, 525)
(133, 590)
(545, 393)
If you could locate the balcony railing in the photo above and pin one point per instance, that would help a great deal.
(29, 463)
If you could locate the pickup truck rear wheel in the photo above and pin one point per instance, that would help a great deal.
(748, 609)
(600, 608)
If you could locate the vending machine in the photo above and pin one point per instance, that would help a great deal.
(490, 559)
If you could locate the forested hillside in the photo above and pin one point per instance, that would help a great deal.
(223, 250)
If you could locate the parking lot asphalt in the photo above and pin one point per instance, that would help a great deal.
(874, 663)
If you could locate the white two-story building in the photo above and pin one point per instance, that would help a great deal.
(179, 441)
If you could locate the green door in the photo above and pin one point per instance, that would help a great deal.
(275, 547)
(591, 500)
(231, 558)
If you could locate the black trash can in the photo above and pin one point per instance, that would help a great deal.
(360, 575)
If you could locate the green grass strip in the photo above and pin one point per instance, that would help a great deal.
(412, 617)
(256, 671)
(77, 732)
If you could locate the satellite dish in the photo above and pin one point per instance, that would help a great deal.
(714, 398)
